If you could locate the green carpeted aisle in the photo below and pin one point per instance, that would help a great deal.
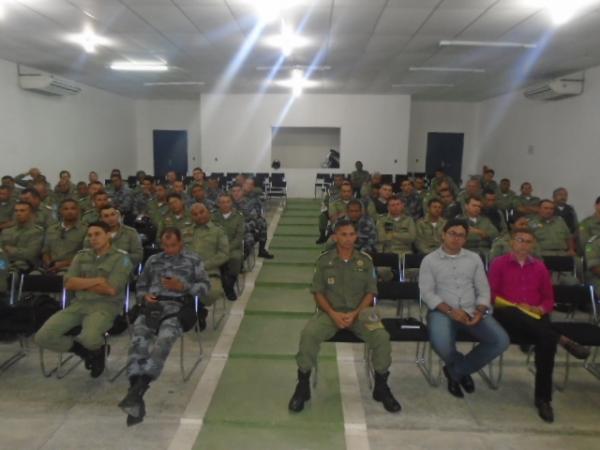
(249, 408)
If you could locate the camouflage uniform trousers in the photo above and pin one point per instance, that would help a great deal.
(149, 351)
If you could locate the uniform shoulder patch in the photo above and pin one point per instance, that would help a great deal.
(123, 252)
(593, 238)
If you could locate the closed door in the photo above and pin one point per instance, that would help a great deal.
(170, 152)
(445, 150)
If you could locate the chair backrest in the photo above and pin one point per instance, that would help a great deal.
(559, 263)
(394, 290)
(43, 284)
(569, 298)
(412, 260)
(389, 260)
(148, 252)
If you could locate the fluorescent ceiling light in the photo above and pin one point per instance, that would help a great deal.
(486, 44)
(297, 82)
(421, 85)
(175, 83)
(88, 39)
(2, 10)
(141, 66)
(562, 11)
(287, 41)
(286, 67)
(446, 69)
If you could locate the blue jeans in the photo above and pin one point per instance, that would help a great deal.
(492, 338)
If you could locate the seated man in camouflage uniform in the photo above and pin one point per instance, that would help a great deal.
(143, 197)
(337, 208)
(122, 236)
(412, 200)
(590, 226)
(344, 286)
(255, 210)
(210, 242)
(502, 244)
(170, 279)
(366, 229)
(63, 240)
(233, 223)
(396, 231)
(505, 197)
(481, 230)
(430, 228)
(120, 195)
(100, 200)
(177, 216)
(198, 195)
(22, 243)
(560, 196)
(98, 276)
(551, 232)
(7, 208)
(333, 193)
(43, 214)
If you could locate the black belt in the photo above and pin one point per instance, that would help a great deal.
(166, 298)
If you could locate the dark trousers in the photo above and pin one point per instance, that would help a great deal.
(521, 327)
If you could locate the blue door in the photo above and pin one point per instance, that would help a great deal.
(170, 152)
(445, 150)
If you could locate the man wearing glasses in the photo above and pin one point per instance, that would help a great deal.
(525, 282)
(454, 286)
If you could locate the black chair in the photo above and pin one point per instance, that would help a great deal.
(321, 183)
(570, 299)
(408, 328)
(561, 264)
(277, 186)
(411, 261)
(390, 261)
(387, 178)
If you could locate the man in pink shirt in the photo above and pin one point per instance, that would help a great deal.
(525, 281)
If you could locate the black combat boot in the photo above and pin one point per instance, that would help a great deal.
(262, 251)
(322, 239)
(302, 392)
(382, 393)
(133, 403)
(96, 362)
(82, 352)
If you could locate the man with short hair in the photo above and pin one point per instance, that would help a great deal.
(122, 237)
(525, 282)
(441, 177)
(396, 232)
(64, 239)
(429, 228)
(526, 203)
(100, 200)
(337, 208)
(198, 179)
(366, 229)
(233, 223)
(158, 206)
(210, 242)
(7, 208)
(560, 196)
(22, 242)
(472, 189)
(551, 232)
(454, 287)
(170, 179)
(384, 194)
(344, 287)
(43, 215)
(487, 180)
(120, 195)
(590, 226)
(253, 213)
(166, 289)
(452, 208)
(98, 276)
(505, 197)
(481, 230)
(358, 177)
(143, 196)
(490, 210)
(87, 203)
(501, 244)
(413, 202)
(177, 216)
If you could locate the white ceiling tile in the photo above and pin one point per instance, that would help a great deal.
(355, 20)
(401, 20)
(166, 18)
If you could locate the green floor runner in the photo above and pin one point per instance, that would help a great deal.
(270, 300)
(307, 242)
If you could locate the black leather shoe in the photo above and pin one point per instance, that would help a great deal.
(96, 361)
(545, 410)
(134, 420)
(467, 384)
(577, 350)
(202, 313)
(453, 386)
(383, 394)
(263, 253)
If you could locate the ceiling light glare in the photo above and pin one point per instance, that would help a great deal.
(175, 83)
(422, 85)
(2, 11)
(272, 10)
(89, 40)
(141, 66)
(287, 41)
(297, 82)
(562, 11)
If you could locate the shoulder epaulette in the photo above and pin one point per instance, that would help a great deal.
(592, 239)
(366, 254)
(84, 250)
(123, 252)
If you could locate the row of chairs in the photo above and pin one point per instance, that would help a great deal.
(408, 327)
(324, 180)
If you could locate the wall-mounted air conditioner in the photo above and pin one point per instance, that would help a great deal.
(555, 89)
(48, 84)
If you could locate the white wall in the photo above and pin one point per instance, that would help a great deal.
(443, 117)
(94, 130)
(564, 137)
(166, 115)
(236, 132)
(304, 148)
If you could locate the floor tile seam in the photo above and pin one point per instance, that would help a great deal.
(307, 426)
(486, 429)
(181, 439)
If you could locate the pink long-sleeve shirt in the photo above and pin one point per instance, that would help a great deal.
(529, 283)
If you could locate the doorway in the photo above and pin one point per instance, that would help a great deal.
(170, 152)
(445, 150)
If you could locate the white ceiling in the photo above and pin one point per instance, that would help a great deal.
(368, 44)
